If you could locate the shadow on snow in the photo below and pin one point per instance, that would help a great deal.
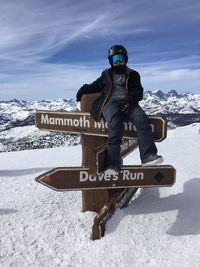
(13, 173)
(186, 203)
(7, 211)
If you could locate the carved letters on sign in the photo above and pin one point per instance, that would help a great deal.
(82, 122)
(126, 176)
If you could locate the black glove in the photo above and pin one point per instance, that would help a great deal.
(83, 90)
(78, 96)
(126, 107)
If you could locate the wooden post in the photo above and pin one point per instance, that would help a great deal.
(92, 200)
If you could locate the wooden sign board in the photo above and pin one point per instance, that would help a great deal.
(127, 146)
(82, 122)
(78, 178)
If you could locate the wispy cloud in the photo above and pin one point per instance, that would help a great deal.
(162, 39)
(172, 74)
(29, 29)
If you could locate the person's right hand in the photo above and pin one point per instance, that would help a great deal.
(78, 96)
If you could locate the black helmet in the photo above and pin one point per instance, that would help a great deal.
(117, 49)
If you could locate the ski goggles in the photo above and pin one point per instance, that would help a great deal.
(117, 57)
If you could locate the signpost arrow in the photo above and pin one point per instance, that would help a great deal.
(127, 146)
(82, 122)
(78, 178)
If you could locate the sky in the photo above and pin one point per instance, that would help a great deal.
(49, 49)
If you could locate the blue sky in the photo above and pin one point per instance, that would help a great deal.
(48, 48)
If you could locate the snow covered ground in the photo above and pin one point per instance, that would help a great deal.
(41, 227)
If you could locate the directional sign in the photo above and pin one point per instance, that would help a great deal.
(82, 122)
(78, 178)
(127, 146)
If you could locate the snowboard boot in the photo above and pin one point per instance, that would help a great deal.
(152, 160)
(112, 170)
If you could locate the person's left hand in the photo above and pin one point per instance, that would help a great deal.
(126, 107)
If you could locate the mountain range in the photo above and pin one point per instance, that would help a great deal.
(17, 130)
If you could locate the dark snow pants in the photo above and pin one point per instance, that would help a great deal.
(115, 119)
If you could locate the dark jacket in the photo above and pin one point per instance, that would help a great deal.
(104, 85)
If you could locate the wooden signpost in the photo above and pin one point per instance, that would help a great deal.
(101, 193)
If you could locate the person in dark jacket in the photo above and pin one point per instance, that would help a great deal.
(120, 91)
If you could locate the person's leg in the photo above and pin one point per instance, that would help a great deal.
(114, 118)
(145, 137)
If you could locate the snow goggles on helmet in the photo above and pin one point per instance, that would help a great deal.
(117, 57)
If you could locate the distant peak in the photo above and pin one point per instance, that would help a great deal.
(148, 93)
(159, 94)
(157, 91)
(172, 93)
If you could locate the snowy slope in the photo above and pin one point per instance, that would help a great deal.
(41, 227)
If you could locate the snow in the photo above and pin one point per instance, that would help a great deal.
(172, 102)
(42, 227)
(22, 132)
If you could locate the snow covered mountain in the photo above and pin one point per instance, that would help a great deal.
(171, 103)
(42, 227)
(17, 130)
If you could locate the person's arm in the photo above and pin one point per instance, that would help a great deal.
(89, 88)
(135, 92)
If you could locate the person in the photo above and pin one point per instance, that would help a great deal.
(120, 91)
